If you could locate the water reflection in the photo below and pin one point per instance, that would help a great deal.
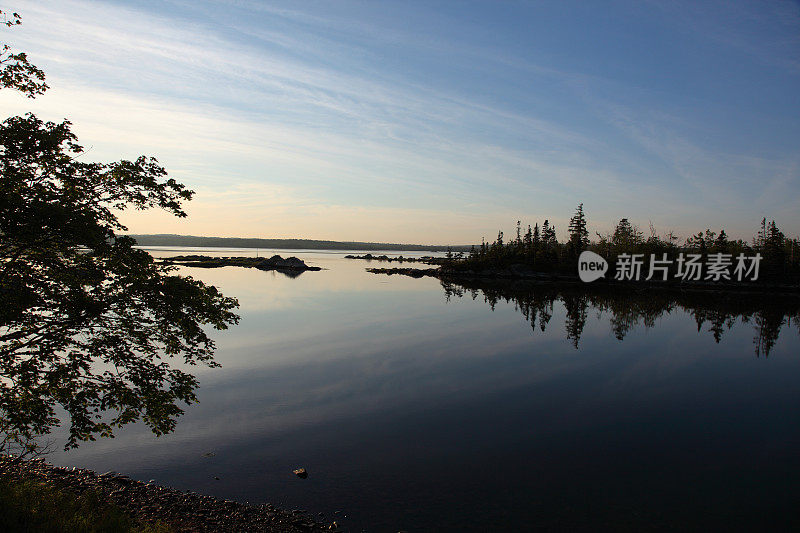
(412, 413)
(291, 274)
(629, 308)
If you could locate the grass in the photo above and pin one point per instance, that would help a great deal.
(29, 506)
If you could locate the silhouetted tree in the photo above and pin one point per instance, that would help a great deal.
(527, 241)
(87, 321)
(16, 72)
(578, 232)
(626, 235)
(541, 250)
(721, 243)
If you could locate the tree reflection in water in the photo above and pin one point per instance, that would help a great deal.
(630, 307)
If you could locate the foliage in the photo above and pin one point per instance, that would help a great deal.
(578, 233)
(626, 235)
(86, 319)
(31, 506)
(88, 322)
(16, 72)
(540, 251)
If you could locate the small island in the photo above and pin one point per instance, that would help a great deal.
(427, 259)
(705, 261)
(276, 262)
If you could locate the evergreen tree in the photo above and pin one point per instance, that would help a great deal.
(695, 241)
(774, 250)
(710, 238)
(775, 237)
(626, 236)
(721, 243)
(549, 238)
(761, 237)
(545, 233)
(578, 233)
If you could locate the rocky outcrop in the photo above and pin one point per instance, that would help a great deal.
(276, 262)
(430, 260)
(413, 272)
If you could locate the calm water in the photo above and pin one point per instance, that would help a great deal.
(420, 408)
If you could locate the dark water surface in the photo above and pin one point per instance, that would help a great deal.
(420, 407)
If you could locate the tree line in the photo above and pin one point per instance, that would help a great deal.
(538, 247)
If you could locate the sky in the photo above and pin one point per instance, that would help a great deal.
(433, 122)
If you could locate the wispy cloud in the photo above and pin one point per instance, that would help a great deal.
(302, 103)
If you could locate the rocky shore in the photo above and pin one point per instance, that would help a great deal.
(183, 510)
(275, 262)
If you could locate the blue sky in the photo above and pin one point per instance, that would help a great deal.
(434, 122)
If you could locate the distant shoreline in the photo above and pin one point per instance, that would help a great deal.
(284, 244)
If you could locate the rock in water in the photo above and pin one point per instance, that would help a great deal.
(301, 473)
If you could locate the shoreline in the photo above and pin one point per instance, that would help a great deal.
(532, 278)
(184, 511)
